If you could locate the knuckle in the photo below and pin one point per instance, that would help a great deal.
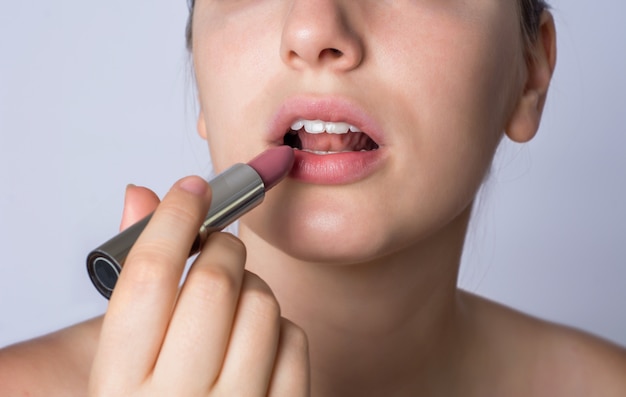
(294, 337)
(148, 265)
(212, 283)
(180, 213)
(258, 298)
(216, 275)
(229, 242)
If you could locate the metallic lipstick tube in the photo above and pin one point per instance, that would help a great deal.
(235, 192)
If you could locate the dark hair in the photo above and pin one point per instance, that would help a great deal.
(188, 40)
(530, 12)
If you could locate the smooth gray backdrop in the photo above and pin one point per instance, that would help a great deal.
(96, 95)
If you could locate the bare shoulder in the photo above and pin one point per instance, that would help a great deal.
(576, 362)
(552, 359)
(57, 364)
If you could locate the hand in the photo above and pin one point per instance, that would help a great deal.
(220, 334)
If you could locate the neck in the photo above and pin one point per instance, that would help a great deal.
(366, 321)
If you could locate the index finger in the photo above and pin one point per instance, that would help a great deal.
(141, 306)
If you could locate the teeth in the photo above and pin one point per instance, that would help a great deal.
(319, 126)
(319, 152)
(314, 127)
(297, 125)
(325, 152)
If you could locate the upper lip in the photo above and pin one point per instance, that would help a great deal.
(327, 108)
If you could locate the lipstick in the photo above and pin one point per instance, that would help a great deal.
(235, 192)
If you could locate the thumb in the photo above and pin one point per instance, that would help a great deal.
(138, 202)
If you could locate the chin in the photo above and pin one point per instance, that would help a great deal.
(330, 249)
(335, 225)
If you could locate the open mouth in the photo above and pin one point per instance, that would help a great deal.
(324, 137)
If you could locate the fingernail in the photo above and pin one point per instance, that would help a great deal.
(194, 185)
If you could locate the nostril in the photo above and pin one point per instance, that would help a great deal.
(333, 52)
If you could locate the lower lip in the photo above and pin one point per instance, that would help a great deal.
(336, 168)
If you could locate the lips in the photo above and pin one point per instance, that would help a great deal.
(335, 140)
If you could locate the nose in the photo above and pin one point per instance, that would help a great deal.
(318, 35)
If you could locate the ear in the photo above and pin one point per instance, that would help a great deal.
(524, 121)
(201, 126)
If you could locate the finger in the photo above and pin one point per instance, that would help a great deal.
(141, 305)
(254, 339)
(138, 203)
(291, 375)
(196, 341)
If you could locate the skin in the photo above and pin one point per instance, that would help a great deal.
(378, 313)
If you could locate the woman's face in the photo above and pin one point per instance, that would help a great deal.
(431, 83)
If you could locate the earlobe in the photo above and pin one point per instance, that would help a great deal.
(541, 61)
(525, 119)
(201, 126)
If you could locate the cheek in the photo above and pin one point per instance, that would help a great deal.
(461, 65)
(453, 99)
(460, 87)
(232, 64)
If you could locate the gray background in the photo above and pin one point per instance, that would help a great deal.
(96, 95)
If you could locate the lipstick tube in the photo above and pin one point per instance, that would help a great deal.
(234, 192)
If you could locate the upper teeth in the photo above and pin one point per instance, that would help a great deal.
(319, 126)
